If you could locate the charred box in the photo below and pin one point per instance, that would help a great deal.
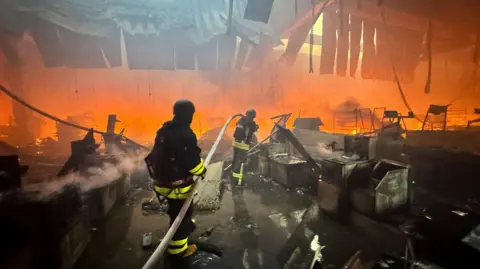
(290, 171)
(338, 177)
(386, 190)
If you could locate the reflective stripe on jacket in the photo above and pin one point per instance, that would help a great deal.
(241, 145)
(174, 193)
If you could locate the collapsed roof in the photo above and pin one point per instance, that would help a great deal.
(190, 34)
(154, 31)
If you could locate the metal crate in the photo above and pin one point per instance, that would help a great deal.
(388, 189)
(338, 177)
(290, 171)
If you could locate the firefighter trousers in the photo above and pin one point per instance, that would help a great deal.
(179, 243)
(239, 157)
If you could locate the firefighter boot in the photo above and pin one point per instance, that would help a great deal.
(192, 249)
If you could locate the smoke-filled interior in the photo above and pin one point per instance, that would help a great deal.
(378, 156)
(142, 100)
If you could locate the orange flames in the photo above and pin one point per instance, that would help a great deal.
(142, 100)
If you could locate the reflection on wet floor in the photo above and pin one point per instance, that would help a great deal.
(252, 225)
(249, 233)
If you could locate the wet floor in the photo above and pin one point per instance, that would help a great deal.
(252, 226)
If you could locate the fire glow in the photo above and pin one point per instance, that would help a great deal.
(142, 100)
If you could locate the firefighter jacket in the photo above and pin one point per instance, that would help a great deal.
(175, 157)
(244, 130)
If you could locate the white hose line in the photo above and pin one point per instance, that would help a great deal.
(157, 254)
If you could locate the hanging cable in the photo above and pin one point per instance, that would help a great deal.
(296, 8)
(73, 125)
(397, 80)
(230, 18)
(476, 53)
(476, 57)
(429, 54)
(471, 83)
(341, 11)
(310, 60)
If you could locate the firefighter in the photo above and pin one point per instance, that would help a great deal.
(174, 160)
(243, 134)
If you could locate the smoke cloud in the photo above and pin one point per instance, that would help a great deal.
(324, 149)
(95, 177)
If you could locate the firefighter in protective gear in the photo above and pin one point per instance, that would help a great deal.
(174, 160)
(243, 134)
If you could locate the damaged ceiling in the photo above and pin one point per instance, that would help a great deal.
(190, 34)
(89, 34)
(371, 38)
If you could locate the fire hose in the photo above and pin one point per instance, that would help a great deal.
(157, 254)
(49, 116)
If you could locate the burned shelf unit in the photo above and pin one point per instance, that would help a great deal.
(385, 191)
(338, 177)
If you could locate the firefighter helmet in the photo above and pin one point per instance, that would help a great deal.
(251, 114)
(183, 108)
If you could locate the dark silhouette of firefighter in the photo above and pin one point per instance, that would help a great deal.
(243, 134)
(174, 160)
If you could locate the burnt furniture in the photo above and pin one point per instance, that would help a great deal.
(476, 111)
(337, 178)
(313, 124)
(11, 172)
(371, 188)
(290, 171)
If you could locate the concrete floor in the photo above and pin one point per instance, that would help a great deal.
(252, 229)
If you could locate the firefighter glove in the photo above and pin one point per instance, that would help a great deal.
(202, 175)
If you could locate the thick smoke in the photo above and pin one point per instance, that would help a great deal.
(324, 149)
(349, 105)
(95, 177)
